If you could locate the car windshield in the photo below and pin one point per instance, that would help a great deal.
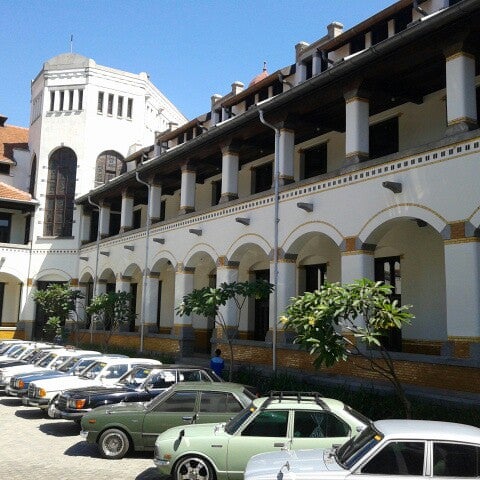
(66, 366)
(350, 452)
(81, 365)
(18, 351)
(239, 419)
(45, 361)
(135, 377)
(93, 370)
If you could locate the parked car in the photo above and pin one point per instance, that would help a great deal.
(105, 371)
(117, 428)
(21, 353)
(47, 359)
(386, 449)
(138, 385)
(282, 420)
(18, 386)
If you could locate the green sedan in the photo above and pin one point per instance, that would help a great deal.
(281, 421)
(117, 428)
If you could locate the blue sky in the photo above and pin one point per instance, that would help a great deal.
(191, 49)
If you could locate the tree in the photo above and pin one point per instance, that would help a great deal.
(113, 310)
(338, 321)
(206, 302)
(58, 301)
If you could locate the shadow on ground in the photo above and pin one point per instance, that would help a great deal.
(60, 429)
(32, 413)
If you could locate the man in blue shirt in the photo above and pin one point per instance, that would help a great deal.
(217, 363)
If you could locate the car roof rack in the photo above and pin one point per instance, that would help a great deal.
(281, 395)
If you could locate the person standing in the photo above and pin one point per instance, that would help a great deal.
(217, 363)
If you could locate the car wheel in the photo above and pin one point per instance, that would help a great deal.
(52, 407)
(193, 468)
(113, 444)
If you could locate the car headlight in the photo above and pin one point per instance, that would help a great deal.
(76, 403)
(21, 383)
(42, 392)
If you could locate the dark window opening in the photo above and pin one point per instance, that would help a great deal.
(33, 177)
(314, 161)
(114, 225)
(402, 19)
(80, 99)
(2, 295)
(137, 218)
(159, 306)
(384, 138)
(62, 100)
(262, 309)
(52, 101)
(309, 68)
(262, 177)
(249, 101)
(93, 226)
(110, 104)
(315, 276)
(133, 305)
(357, 44)
(388, 271)
(120, 106)
(70, 99)
(379, 32)
(100, 102)
(216, 191)
(5, 168)
(130, 108)
(263, 94)
(277, 88)
(28, 222)
(5, 227)
(162, 210)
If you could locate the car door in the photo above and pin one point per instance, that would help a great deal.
(318, 429)
(266, 432)
(176, 409)
(395, 461)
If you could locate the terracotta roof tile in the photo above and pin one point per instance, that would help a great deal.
(11, 138)
(8, 192)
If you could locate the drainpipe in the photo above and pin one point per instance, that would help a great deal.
(147, 237)
(95, 279)
(275, 234)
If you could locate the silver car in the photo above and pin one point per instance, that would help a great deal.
(386, 449)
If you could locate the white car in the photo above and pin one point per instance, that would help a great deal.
(105, 371)
(48, 358)
(393, 449)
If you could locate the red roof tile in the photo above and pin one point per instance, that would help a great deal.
(8, 192)
(11, 138)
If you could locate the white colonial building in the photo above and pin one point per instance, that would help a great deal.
(359, 159)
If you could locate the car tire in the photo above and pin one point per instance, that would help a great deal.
(52, 407)
(194, 468)
(113, 444)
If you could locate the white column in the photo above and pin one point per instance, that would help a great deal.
(230, 157)
(126, 214)
(187, 191)
(183, 286)
(104, 220)
(461, 96)
(356, 128)
(286, 155)
(151, 302)
(316, 63)
(462, 275)
(155, 202)
(300, 73)
(227, 272)
(357, 263)
(122, 283)
(286, 286)
(101, 288)
(86, 226)
(75, 99)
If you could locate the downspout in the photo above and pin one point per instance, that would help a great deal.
(147, 238)
(95, 279)
(275, 235)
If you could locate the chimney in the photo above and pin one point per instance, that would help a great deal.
(237, 87)
(334, 29)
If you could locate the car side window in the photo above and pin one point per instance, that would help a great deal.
(455, 460)
(190, 376)
(163, 379)
(213, 402)
(268, 423)
(116, 371)
(318, 424)
(178, 402)
(398, 458)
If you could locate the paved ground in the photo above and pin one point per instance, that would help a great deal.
(33, 447)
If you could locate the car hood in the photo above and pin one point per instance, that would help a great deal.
(63, 383)
(195, 430)
(293, 464)
(95, 390)
(31, 377)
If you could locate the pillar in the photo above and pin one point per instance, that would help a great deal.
(86, 226)
(316, 63)
(286, 289)
(182, 326)
(356, 127)
(286, 155)
(126, 214)
(357, 260)
(227, 272)
(187, 191)
(155, 202)
(104, 219)
(461, 94)
(462, 276)
(151, 302)
(230, 159)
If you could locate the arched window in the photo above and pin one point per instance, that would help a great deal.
(110, 164)
(62, 169)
